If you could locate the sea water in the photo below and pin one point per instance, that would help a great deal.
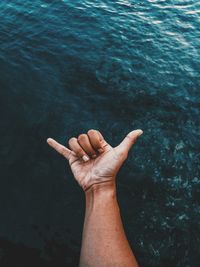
(69, 66)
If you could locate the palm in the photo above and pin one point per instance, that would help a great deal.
(101, 169)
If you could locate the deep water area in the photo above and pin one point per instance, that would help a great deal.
(70, 66)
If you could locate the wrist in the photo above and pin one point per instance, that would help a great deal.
(100, 196)
(107, 187)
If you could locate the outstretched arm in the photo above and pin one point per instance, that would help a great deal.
(104, 242)
(95, 164)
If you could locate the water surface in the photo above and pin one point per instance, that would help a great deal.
(68, 66)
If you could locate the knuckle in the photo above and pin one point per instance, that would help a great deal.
(128, 136)
(79, 151)
(62, 151)
(131, 139)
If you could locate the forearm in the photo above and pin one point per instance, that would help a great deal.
(104, 242)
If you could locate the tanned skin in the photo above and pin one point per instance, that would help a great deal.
(95, 164)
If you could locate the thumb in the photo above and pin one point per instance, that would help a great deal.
(129, 140)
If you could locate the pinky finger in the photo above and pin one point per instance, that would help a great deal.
(64, 151)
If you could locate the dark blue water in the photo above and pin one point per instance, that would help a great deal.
(68, 66)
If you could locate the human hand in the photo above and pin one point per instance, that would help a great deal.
(92, 159)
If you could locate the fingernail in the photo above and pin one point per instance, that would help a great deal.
(100, 150)
(85, 158)
(140, 132)
(94, 156)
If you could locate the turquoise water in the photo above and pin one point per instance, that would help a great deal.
(68, 66)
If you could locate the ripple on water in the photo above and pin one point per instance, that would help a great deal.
(67, 66)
